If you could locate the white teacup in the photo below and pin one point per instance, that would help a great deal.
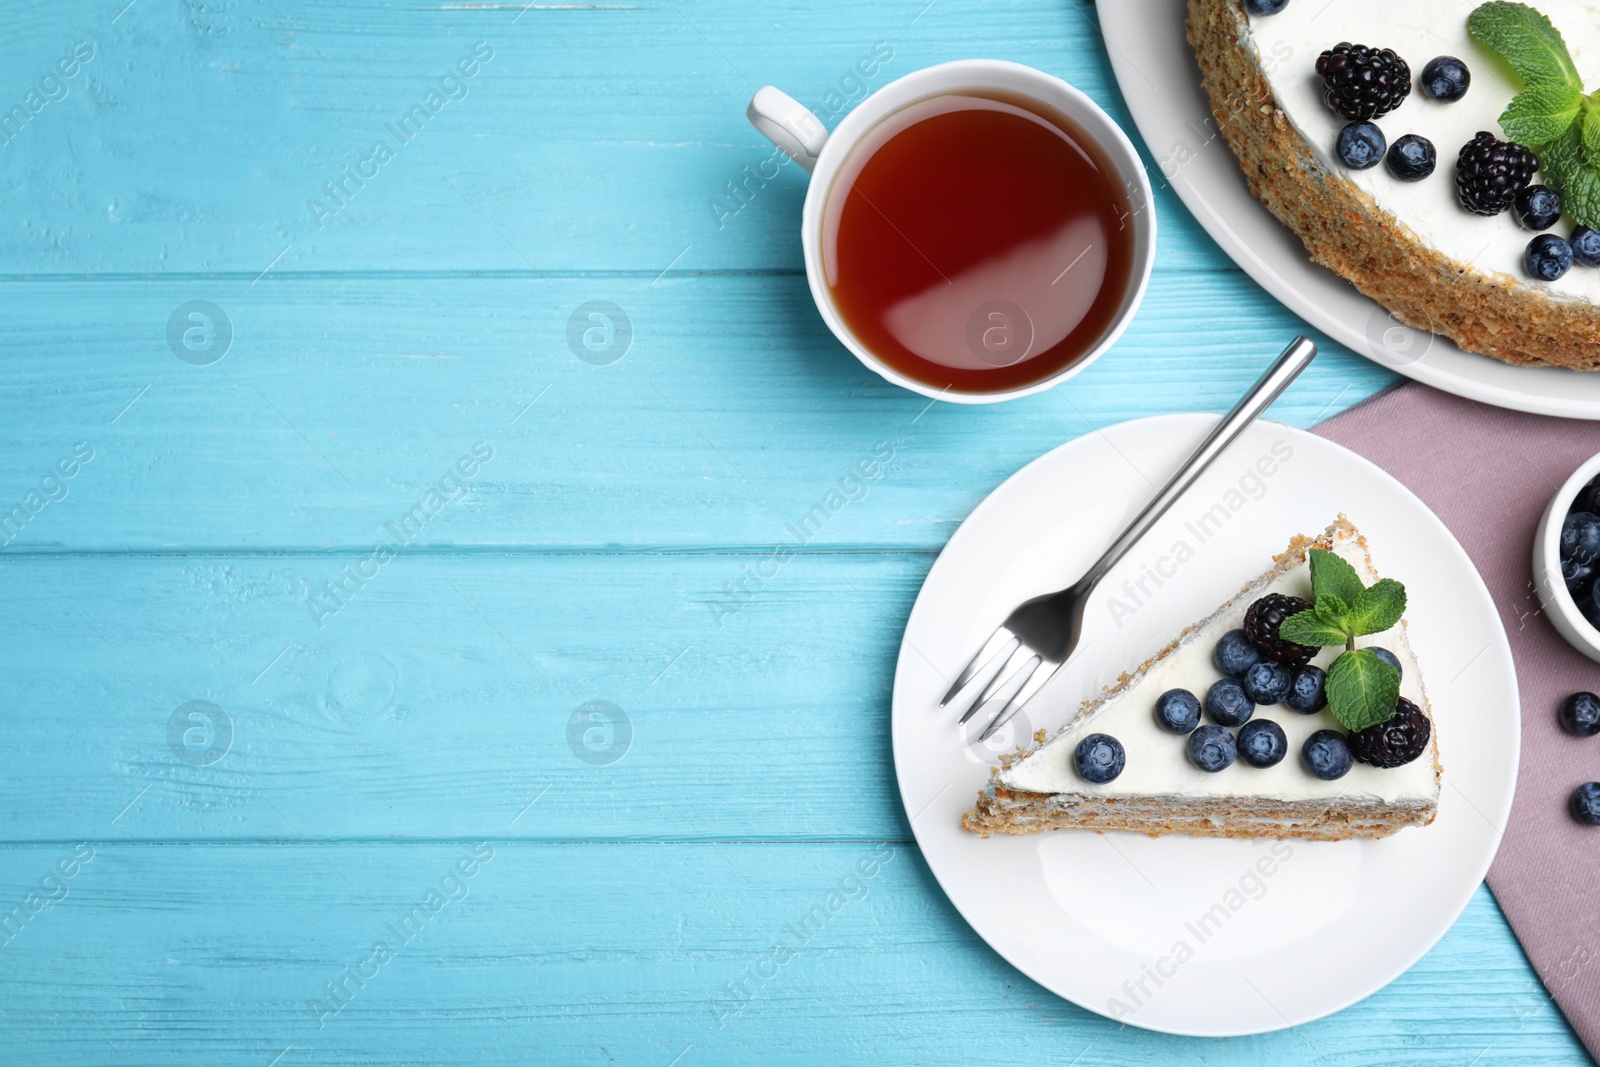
(800, 134)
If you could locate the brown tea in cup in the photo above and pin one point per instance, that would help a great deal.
(978, 243)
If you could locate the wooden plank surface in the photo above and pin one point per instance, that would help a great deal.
(340, 403)
(589, 952)
(597, 137)
(435, 700)
(268, 778)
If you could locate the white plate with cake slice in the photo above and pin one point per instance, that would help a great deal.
(1204, 935)
(1160, 78)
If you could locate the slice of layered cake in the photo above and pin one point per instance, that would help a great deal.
(1297, 709)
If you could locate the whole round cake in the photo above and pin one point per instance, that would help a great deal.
(1442, 157)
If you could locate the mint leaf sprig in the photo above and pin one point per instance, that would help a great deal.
(1362, 688)
(1526, 39)
(1552, 115)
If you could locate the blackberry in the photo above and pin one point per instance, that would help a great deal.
(1261, 624)
(1489, 172)
(1398, 741)
(1363, 83)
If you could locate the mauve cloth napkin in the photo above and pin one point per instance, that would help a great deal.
(1488, 474)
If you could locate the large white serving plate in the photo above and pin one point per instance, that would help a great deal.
(1159, 78)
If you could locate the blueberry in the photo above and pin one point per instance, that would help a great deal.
(1306, 692)
(1547, 257)
(1211, 748)
(1445, 78)
(1577, 576)
(1227, 703)
(1361, 145)
(1586, 803)
(1580, 714)
(1588, 498)
(1266, 683)
(1411, 158)
(1580, 537)
(1177, 710)
(1391, 659)
(1538, 207)
(1265, 7)
(1326, 755)
(1099, 758)
(1235, 654)
(1585, 246)
(1262, 744)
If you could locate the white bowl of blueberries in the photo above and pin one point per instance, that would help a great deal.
(1566, 572)
(1566, 559)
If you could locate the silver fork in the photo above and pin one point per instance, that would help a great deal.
(1041, 634)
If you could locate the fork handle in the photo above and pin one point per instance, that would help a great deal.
(1268, 388)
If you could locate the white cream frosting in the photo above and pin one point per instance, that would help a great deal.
(1288, 44)
(1157, 763)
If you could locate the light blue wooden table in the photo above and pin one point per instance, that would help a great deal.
(402, 535)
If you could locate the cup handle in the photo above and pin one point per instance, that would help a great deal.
(789, 124)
